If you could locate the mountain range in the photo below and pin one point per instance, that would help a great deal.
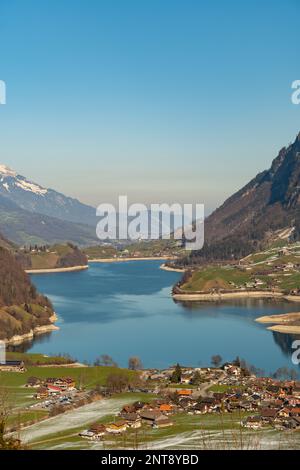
(266, 208)
(32, 197)
(30, 213)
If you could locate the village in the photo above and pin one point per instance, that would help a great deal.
(162, 397)
(260, 402)
(58, 395)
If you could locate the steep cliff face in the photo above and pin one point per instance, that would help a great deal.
(273, 193)
(248, 219)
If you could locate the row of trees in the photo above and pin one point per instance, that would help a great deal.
(134, 362)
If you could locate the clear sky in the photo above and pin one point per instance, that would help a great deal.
(162, 100)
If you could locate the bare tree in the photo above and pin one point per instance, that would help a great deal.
(134, 363)
(216, 360)
(105, 360)
(6, 443)
(117, 382)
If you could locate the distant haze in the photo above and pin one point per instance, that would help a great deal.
(173, 101)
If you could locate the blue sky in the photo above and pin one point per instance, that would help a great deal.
(162, 100)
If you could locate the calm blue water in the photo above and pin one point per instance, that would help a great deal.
(125, 309)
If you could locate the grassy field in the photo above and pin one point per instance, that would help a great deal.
(183, 424)
(216, 277)
(70, 435)
(275, 268)
(36, 359)
(221, 388)
(98, 252)
(20, 397)
(87, 377)
(140, 249)
(43, 260)
(51, 257)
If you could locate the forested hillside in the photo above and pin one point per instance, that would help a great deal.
(22, 308)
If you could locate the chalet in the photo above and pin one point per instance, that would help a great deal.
(284, 413)
(87, 434)
(133, 420)
(97, 430)
(42, 393)
(231, 369)
(66, 383)
(128, 409)
(274, 389)
(149, 417)
(53, 390)
(184, 392)
(269, 414)
(296, 391)
(138, 405)
(12, 366)
(210, 404)
(33, 382)
(186, 403)
(291, 400)
(295, 411)
(116, 428)
(186, 378)
(296, 421)
(253, 422)
(201, 409)
(162, 422)
(166, 408)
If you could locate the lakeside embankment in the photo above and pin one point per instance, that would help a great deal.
(283, 323)
(117, 260)
(38, 330)
(56, 270)
(215, 297)
(168, 268)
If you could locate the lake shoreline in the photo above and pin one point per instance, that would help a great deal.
(16, 340)
(56, 270)
(283, 323)
(119, 260)
(169, 268)
(213, 297)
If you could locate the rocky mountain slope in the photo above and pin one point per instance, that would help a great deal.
(263, 209)
(34, 198)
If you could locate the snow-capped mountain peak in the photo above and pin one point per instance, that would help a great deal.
(6, 171)
(35, 198)
(10, 180)
(34, 188)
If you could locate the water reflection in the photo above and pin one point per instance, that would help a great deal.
(126, 309)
